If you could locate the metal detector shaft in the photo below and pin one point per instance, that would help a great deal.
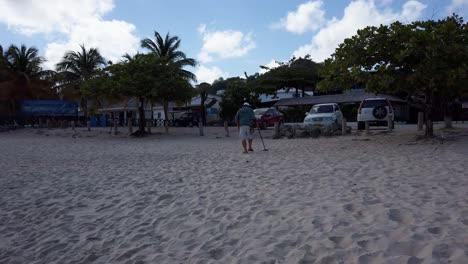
(264, 149)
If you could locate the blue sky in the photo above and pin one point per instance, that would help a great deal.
(225, 37)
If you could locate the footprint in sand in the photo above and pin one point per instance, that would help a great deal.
(435, 230)
(340, 242)
(217, 253)
(376, 257)
(400, 216)
(187, 235)
(349, 208)
(165, 197)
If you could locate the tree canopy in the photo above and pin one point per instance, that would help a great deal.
(177, 88)
(75, 68)
(300, 73)
(424, 59)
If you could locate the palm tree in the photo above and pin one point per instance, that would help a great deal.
(25, 61)
(4, 71)
(203, 89)
(168, 49)
(77, 68)
(22, 77)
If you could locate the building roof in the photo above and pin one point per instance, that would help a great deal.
(334, 98)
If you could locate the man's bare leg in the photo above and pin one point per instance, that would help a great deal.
(244, 145)
(250, 145)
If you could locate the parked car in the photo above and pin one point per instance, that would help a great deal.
(187, 119)
(323, 115)
(267, 117)
(376, 111)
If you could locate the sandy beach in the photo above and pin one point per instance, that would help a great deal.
(89, 197)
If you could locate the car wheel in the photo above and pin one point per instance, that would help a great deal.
(379, 112)
(361, 125)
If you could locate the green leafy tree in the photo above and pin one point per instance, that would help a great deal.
(218, 85)
(167, 48)
(75, 68)
(424, 60)
(299, 73)
(237, 92)
(203, 90)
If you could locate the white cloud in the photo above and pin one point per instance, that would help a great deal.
(224, 44)
(71, 23)
(202, 28)
(272, 64)
(206, 74)
(308, 17)
(458, 7)
(358, 14)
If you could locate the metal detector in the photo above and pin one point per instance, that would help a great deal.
(264, 149)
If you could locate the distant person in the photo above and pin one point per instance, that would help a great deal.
(245, 120)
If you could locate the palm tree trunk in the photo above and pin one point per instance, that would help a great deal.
(141, 113)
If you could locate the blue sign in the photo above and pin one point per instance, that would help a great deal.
(48, 108)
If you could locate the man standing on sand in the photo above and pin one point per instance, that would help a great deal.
(245, 119)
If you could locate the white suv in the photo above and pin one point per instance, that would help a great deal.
(376, 111)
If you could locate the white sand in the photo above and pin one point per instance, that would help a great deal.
(186, 199)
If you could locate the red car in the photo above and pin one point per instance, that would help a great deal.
(267, 117)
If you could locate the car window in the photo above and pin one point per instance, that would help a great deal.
(318, 109)
(269, 112)
(374, 103)
(260, 111)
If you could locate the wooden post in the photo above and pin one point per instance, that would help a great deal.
(130, 125)
(73, 125)
(115, 125)
(420, 121)
(88, 125)
(343, 126)
(277, 130)
(148, 125)
(166, 126)
(367, 127)
(200, 127)
(389, 123)
(448, 121)
(226, 128)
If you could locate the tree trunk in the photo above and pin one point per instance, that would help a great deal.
(226, 128)
(448, 115)
(202, 108)
(166, 116)
(429, 131)
(141, 113)
(84, 108)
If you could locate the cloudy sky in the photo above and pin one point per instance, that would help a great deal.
(226, 37)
